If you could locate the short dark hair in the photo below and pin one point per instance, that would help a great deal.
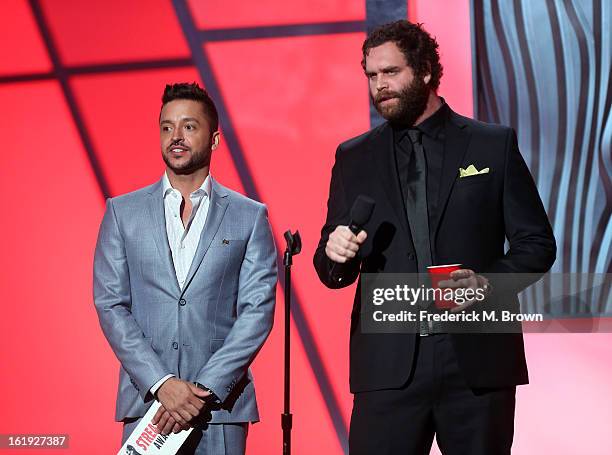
(186, 91)
(420, 49)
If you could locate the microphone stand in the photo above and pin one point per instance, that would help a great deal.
(294, 246)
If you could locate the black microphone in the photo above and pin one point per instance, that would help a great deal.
(361, 212)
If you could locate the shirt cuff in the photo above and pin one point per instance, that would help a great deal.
(155, 387)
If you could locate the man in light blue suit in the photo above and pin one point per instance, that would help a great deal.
(184, 286)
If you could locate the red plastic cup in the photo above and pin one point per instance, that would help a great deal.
(439, 273)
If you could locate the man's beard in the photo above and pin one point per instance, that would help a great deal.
(411, 103)
(196, 161)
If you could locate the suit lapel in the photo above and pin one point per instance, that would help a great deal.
(216, 212)
(455, 147)
(382, 151)
(158, 223)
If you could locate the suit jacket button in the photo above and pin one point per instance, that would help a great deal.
(182, 302)
(411, 256)
(175, 345)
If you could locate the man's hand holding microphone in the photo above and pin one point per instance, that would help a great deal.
(344, 242)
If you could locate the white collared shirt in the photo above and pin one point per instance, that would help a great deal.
(184, 240)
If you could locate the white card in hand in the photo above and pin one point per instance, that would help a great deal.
(145, 439)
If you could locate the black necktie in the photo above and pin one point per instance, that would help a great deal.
(416, 202)
(418, 218)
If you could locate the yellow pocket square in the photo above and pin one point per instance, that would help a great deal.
(471, 170)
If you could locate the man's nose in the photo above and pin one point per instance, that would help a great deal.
(381, 83)
(177, 135)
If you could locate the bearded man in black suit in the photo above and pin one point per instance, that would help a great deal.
(448, 189)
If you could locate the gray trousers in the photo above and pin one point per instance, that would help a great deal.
(214, 439)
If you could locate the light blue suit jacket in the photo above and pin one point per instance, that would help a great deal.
(210, 331)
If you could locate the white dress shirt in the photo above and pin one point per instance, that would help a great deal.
(183, 239)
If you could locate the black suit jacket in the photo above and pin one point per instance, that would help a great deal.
(477, 214)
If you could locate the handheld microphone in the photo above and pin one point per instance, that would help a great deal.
(361, 212)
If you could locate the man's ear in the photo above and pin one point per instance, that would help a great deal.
(427, 76)
(215, 140)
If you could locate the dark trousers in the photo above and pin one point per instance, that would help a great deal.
(436, 400)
